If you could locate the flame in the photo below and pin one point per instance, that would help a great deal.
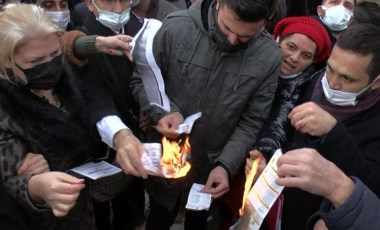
(248, 182)
(174, 162)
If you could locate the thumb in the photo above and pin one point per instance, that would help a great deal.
(208, 186)
(64, 177)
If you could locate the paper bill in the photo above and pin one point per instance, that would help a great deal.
(96, 170)
(198, 200)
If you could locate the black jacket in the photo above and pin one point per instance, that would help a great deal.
(353, 145)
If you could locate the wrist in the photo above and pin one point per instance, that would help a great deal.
(342, 192)
(120, 136)
(34, 186)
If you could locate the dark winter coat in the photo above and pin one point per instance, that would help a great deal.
(28, 123)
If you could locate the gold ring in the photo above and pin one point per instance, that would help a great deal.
(300, 123)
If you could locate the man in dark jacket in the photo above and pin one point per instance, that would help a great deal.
(339, 118)
(216, 59)
(113, 112)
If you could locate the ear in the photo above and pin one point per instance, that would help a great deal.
(90, 5)
(376, 84)
(320, 11)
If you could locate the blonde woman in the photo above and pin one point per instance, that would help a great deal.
(41, 111)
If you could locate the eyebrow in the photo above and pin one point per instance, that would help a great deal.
(37, 59)
(243, 36)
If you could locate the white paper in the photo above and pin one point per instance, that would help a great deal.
(198, 200)
(151, 158)
(261, 197)
(151, 75)
(96, 170)
(188, 123)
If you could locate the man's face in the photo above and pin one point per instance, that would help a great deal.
(236, 30)
(116, 6)
(54, 5)
(348, 4)
(346, 71)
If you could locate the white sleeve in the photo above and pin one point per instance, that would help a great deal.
(108, 126)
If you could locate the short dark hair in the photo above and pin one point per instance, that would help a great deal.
(363, 39)
(250, 10)
(367, 12)
(323, 2)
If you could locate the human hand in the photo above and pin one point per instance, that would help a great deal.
(168, 125)
(254, 154)
(311, 119)
(33, 164)
(144, 121)
(59, 190)
(128, 153)
(115, 45)
(218, 177)
(306, 169)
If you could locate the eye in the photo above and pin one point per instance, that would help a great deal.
(307, 56)
(47, 5)
(64, 5)
(291, 46)
(347, 79)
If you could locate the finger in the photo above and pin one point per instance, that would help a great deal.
(208, 188)
(39, 167)
(66, 178)
(129, 55)
(60, 210)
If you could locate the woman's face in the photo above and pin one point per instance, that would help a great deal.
(298, 52)
(34, 52)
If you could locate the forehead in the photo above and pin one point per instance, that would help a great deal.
(39, 2)
(38, 46)
(242, 28)
(301, 41)
(346, 62)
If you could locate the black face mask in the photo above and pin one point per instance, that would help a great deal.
(44, 76)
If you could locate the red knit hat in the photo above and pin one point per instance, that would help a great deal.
(309, 27)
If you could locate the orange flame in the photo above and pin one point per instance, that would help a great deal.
(174, 158)
(248, 183)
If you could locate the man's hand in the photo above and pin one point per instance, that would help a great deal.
(168, 125)
(312, 119)
(33, 164)
(128, 153)
(306, 169)
(59, 190)
(115, 45)
(254, 154)
(145, 121)
(218, 177)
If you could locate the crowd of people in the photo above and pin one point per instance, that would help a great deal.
(300, 76)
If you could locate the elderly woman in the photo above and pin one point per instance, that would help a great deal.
(41, 111)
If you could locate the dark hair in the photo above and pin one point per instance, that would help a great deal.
(250, 10)
(355, 2)
(367, 12)
(363, 39)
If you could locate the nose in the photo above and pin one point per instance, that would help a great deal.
(233, 39)
(333, 81)
(117, 8)
(295, 57)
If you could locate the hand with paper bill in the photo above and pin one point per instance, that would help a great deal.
(218, 177)
(129, 151)
(59, 190)
(306, 169)
(169, 124)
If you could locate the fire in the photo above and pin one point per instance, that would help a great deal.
(248, 182)
(174, 158)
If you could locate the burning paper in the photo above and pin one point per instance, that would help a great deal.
(261, 197)
(168, 160)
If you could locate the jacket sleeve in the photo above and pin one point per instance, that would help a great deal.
(12, 153)
(161, 49)
(363, 161)
(256, 111)
(360, 211)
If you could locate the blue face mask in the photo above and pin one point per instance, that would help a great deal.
(112, 20)
(341, 98)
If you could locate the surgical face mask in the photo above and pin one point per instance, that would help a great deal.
(112, 20)
(341, 98)
(60, 18)
(44, 76)
(336, 17)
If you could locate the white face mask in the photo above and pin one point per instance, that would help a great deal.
(336, 17)
(60, 18)
(113, 20)
(340, 98)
